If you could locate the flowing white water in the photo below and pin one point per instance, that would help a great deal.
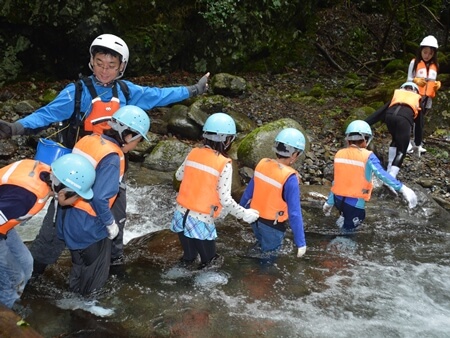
(148, 208)
(390, 281)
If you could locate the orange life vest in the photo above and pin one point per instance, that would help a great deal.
(26, 174)
(430, 75)
(269, 179)
(94, 147)
(408, 98)
(349, 173)
(99, 110)
(198, 189)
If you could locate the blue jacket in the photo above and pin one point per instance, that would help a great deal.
(79, 229)
(62, 107)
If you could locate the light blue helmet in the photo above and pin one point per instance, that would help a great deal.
(358, 130)
(410, 85)
(76, 173)
(220, 125)
(293, 139)
(131, 118)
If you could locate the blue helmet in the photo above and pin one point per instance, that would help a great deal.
(76, 173)
(131, 118)
(293, 139)
(220, 125)
(409, 86)
(358, 130)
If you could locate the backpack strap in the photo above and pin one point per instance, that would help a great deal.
(71, 129)
(90, 86)
(125, 90)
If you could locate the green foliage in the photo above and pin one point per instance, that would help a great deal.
(10, 66)
(243, 33)
(213, 35)
(395, 65)
(217, 13)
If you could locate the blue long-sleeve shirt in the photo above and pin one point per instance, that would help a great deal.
(79, 229)
(373, 167)
(62, 107)
(291, 194)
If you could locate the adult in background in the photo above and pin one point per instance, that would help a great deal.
(80, 109)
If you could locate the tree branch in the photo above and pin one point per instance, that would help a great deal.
(328, 57)
(434, 17)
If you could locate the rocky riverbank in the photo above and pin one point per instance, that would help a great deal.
(321, 107)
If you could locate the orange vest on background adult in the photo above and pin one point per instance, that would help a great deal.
(430, 74)
(94, 147)
(269, 179)
(349, 173)
(198, 189)
(26, 174)
(100, 110)
(408, 98)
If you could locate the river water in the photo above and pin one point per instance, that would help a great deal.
(388, 280)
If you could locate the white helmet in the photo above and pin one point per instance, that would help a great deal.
(429, 41)
(114, 43)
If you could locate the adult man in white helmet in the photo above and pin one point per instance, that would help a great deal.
(81, 111)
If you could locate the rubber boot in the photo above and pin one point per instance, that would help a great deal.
(410, 149)
(394, 171)
(391, 156)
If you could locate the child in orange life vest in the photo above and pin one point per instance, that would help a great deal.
(423, 71)
(88, 228)
(205, 192)
(354, 167)
(274, 192)
(25, 187)
(398, 114)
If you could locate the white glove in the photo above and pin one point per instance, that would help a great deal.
(340, 221)
(113, 230)
(301, 251)
(250, 215)
(327, 209)
(409, 195)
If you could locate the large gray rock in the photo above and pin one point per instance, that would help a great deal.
(167, 155)
(228, 85)
(259, 143)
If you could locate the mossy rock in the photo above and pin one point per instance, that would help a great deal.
(259, 143)
(317, 91)
(395, 65)
(48, 96)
